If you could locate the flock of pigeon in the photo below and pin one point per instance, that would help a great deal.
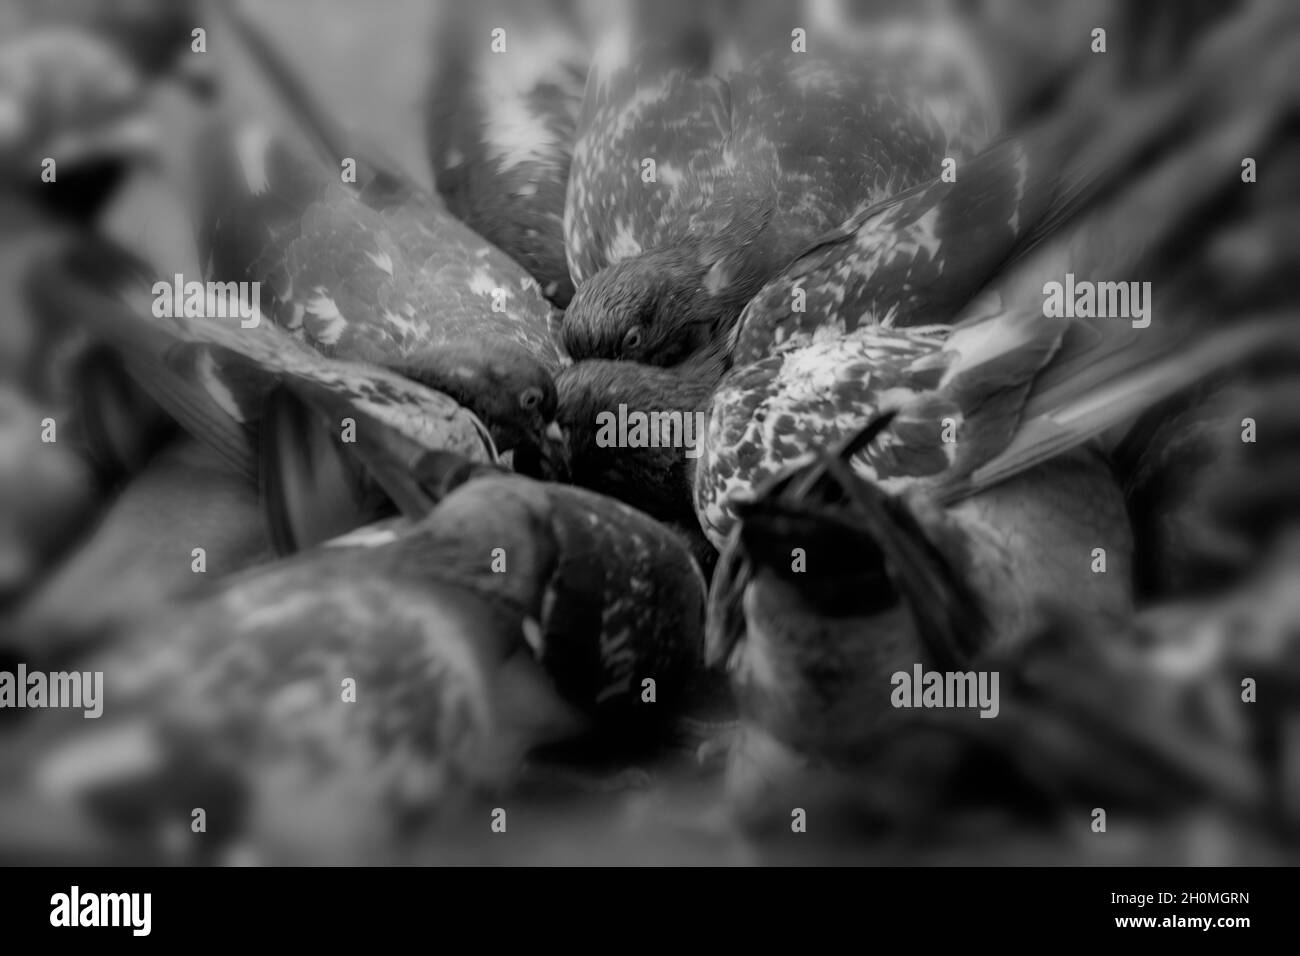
(714, 387)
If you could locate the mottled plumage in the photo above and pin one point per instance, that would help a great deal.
(1007, 384)
(983, 483)
(462, 659)
(753, 160)
(500, 127)
(215, 377)
(140, 553)
(829, 585)
(918, 258)
(392, 285)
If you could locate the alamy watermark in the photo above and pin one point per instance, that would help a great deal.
(635, 429)
(1084, 299)
(75, 908)
(946, 689)
(208, 300)
(73, 689)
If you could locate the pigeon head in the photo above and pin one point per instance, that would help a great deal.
(653, 308)
(634, 432)
(500, 382)
(857, 535)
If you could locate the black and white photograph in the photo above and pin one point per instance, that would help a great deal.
(651, 433)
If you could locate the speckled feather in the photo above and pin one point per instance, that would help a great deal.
(500, 131)
(428, 418)
(815, 136)
(232, 700)
(913, 260)
(750, 168)
(372, 284)
(918, 258)
(1000, 368)
(234, 703)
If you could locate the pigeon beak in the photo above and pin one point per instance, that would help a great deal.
(547, 457)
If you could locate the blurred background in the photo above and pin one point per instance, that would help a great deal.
(87, 541)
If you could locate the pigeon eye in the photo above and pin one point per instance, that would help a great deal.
(530, 398)
(633, 338)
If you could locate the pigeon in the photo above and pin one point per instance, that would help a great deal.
(828, 585)
(216, 378)
(1032, 366)
(1211, 479)
(401, 286)
(69, 98)
(653, 471)
(141, 552)
(149, 34)
(1142, 716)
(917, 258)
(888, 269)
(339, 703)
(501, 120)
(694, 181)
(368, 239)
(900, 548)
(819, 380)
(47, 489)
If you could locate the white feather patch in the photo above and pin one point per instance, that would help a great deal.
(251, 145)
(333, 323)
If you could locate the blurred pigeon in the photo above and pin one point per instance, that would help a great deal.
(1142, 716)
(459, 659)
(105, 413)
(501, 125)
(1011, 383)
(690, 189)
(403, 286)
(359, 277)
(150, 34)
(142, 553)
(967, 538)
(69, 97)
(47, 492)
(829, 585)
(217, 377)
(919, 257)
(1213, 479)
